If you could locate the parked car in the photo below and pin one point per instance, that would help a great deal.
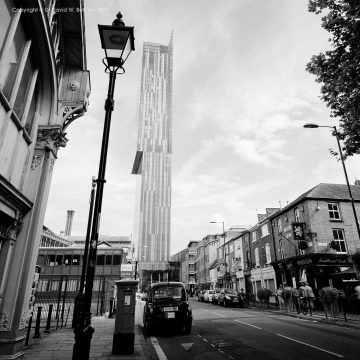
(229, 297)
(201, 295)
(167, 305)
(215, 299)
(208, 295)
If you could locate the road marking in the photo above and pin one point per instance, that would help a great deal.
(218, 314)
(241, 322)
(212, 345)
(315, 347)
(205, 340)
(159, 351)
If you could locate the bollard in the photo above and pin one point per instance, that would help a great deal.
(124, 334)
(29, 329)
(111, 313)
(37, 325)
(48, 321)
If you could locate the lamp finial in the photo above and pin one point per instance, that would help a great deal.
(118, 21)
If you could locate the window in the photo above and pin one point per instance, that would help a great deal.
(279, 225)
(334, 211)
(116, 259)
(264, 230)
(75, 260)
(257, 263)
(231, 247)
(59, 260)
(339, 239)
(268, 253)
(253, 236)
(281, 247)
(100, 260)
(6, 14)
(67, 259)
(296, 215)
(108, 259)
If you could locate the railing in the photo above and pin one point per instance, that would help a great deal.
(346, 308)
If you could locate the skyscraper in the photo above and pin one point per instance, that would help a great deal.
(153, 159)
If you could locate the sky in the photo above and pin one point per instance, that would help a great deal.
(241, 96)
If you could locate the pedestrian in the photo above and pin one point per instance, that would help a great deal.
(242, 298)
(307, 292)
(279, 298)
(357, 291)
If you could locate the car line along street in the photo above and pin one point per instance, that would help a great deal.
(243, 333)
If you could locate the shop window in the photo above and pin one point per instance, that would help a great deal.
(339, 240)
(334, 211)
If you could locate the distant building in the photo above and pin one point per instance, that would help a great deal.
(44, 87)
(187, 260)
(314, 236)
(61, 267)
(153, 160)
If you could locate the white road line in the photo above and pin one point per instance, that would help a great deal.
(205, 339)
(218, 314)
(159, 351)
(212, 345)
(312, 346)
(241, 322)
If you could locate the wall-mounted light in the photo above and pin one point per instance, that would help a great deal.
(317, 207)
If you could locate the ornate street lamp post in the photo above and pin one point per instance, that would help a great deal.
(117, 40)
(336, 134)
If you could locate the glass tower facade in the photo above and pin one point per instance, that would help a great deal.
(153, 204)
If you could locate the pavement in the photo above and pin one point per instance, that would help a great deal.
(58, 345)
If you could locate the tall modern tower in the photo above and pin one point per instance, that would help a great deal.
(153, 158)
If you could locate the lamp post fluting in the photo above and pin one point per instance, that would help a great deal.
(337, 135)
(80, 296)
(115, 40)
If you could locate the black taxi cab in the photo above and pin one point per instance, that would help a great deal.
(167, 305)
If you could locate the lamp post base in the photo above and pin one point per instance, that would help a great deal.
(81, 349)
(123, 344)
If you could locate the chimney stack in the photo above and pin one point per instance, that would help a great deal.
(69, 220)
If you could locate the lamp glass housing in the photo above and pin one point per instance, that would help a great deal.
(117, 42)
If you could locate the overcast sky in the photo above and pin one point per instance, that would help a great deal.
(240, 98)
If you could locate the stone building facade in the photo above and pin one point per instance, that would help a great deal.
(44, 86)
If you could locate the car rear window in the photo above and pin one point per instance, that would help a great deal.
(211, 291)
(231, 291)
(166, 292)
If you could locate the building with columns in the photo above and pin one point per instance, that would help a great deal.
(44, 86)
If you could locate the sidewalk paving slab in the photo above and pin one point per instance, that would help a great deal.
(58, 345)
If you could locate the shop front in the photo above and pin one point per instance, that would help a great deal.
(318, 269)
